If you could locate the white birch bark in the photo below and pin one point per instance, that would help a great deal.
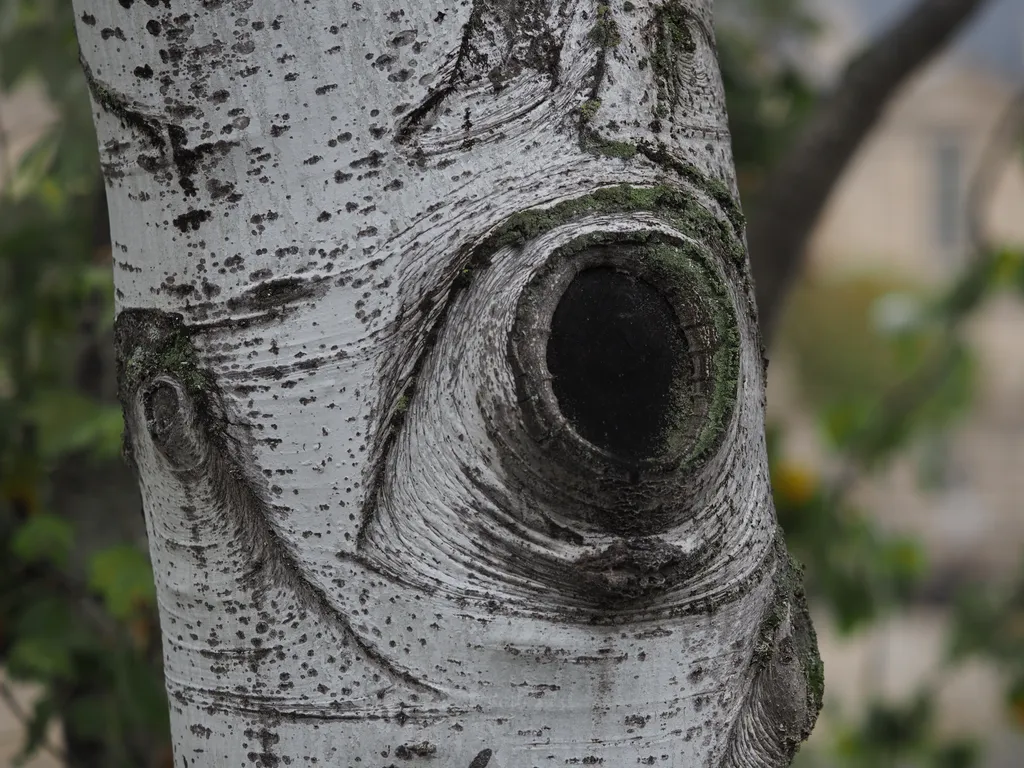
(341, 234)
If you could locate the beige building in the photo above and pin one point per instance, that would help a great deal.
(903, 204)
(902, 210)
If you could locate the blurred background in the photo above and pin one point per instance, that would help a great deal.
(896, 383)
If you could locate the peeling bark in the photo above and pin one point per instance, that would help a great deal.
(442, 380)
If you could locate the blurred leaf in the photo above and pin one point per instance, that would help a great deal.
(768, 97)
(93, 718)
(41, 657)
(975, 628)
(893, 728)
(122, 575)
(958, 754)
(43, 713)
(142, 685)
(841, 421)
(43, 537)
(794, 483)
(840, 355)
(31, 171)
(69, 422)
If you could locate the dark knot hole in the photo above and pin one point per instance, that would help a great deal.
(616, 354)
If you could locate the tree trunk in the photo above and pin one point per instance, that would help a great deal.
(441, 371)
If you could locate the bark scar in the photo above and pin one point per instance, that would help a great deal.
(500, 41)
(185, 418)
(786, 692)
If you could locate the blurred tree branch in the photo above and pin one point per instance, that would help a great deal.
(25, 718)
(798, 189)
(991, 168)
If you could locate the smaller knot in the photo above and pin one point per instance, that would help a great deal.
(171, 423)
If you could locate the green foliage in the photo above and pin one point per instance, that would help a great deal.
(853, 568)
(898, 735)
(43, 538)
(838, 349)
(123, 577)
(68, 422)
(99, 667)
(922, 381)
(768, 96)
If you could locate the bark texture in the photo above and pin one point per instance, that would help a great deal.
(798, 189)
(440, 365)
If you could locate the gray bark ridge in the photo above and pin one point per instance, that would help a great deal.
(380, 271)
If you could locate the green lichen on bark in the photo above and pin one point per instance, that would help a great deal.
(786, 674)
(790, 602)
(677, 206)
(686, 272)
(714, 188)
(673, 39)
(806, 641)
(606, 36)
(605, 32)
(150, 343)
(591, 141)
(589, 109)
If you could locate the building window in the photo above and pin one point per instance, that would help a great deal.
(948, 211)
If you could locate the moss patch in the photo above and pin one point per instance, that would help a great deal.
(672, 39)
(605, 32)
(593, 143)
(605, 35)
(150, 343)
(712, 187)
(589, 109)
(686, 272)
(790, 599)
(675, 205)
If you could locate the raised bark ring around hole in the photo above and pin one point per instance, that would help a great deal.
(170, 421)
(691, 370)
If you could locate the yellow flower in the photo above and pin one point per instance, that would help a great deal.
(1017, 711)
(794, 483)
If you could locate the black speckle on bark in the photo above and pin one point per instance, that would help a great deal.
(187, 159)
(191, 220)
(533, 40)
(411, 751)
(120, 107)
(482, 759)
(273, 294)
